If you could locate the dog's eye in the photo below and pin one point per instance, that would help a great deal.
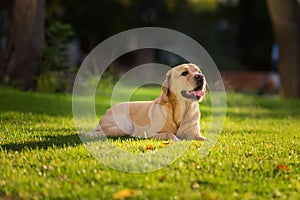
(184, 73)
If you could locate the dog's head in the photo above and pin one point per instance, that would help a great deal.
(185, 81)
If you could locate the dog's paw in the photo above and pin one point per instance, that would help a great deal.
(166, 136)
(200, 138)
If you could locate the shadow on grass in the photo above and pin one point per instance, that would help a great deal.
(36, 103)
(59, 141)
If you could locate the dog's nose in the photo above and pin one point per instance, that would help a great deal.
(199, 76)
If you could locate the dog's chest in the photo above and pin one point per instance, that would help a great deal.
(177, 117)
(173, 120)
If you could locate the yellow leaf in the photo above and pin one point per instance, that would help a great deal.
(165, 143)
(125, 193)
(163, 178)
(149, 147)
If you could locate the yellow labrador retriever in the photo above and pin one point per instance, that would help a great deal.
(174, 114)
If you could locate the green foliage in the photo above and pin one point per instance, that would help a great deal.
(53, 67)
(42, 157)
(106, 84)
(204, 6)
(50, 82)
(58, 36)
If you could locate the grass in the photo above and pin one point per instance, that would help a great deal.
(42, 157)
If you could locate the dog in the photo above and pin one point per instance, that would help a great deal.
(173, 115)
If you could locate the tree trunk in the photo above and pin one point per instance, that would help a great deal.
(286, 24)
(25, 43)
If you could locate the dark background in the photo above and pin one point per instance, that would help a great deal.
(238, 35)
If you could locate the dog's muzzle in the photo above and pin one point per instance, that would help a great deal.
(197, 92)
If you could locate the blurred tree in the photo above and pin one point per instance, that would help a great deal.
(255, 34)
(25, 43)
(286, 23)
(4, 21)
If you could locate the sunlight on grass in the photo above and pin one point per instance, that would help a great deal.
(42, 157)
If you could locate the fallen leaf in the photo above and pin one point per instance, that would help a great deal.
(165, 143)
(59, 177)
(212, 196)
(198, 144)
(125, 193)
(283, 167)
(149, 147)
(163, 178)
(204, 195)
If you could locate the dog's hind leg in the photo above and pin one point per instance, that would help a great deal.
(110, 131)
(97, 132)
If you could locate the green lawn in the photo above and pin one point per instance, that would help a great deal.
(42, 157)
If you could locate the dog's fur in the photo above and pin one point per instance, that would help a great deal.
(174, 114)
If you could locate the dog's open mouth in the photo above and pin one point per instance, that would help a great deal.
(194, 94)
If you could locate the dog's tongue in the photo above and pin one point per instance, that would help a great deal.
(199, 93)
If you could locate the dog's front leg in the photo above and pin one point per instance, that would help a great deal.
(166, 136)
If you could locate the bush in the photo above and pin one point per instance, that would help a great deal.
(54, 68)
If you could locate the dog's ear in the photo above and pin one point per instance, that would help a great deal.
(166, 84)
